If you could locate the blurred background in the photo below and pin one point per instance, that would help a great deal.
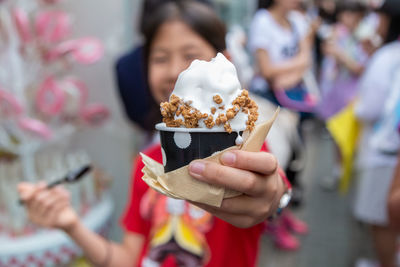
(316, 139)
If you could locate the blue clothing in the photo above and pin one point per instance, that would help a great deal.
(133, 86)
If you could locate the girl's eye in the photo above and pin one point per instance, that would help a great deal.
(159, 59)
(191, 57)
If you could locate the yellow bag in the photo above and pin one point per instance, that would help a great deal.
(345, 128)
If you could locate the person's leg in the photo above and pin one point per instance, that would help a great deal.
(281, 236)
(331, 181)
(292, 173)
(294, 224)
(385, 240)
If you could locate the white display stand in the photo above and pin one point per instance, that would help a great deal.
(43, 106)
(53, 247)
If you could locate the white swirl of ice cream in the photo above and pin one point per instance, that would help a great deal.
(205, 79)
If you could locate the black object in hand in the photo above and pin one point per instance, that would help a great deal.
(71, 177)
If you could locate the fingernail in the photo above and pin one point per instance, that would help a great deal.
(20, 188)
(228, 158)
(24, 196)
(197, 167)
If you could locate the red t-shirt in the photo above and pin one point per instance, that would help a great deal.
(229, 245)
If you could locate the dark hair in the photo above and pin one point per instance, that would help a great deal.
(351, 6)
(328, 16)
(391, 8)
(394, 29)
(200, 17)
(265, 3)
(150, 6)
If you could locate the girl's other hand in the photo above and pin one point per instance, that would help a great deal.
(48, 207)
(331, 49)
(255, 174)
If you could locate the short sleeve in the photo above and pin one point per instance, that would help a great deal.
(299, 21)
(374, 86)
(259, 32)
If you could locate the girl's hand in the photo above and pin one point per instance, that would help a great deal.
(48, 207)
(255, 174)
(287, 81)
(331, 49)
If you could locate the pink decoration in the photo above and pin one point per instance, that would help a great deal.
(52, 26)
(22, 24)
(95, 114)
(50, 2)
(80, 87)
(50, 98)
(88, 50)
(9, 105)
(60, 50)
(35, 127)
(83, 51)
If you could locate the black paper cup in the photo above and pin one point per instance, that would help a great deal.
(180, 146)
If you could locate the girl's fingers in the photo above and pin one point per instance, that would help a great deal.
(236, 179)
(241, 221)
(261, 162)
(50, 203)
(38, 200)
(52, 197)
(59, 189)
(52, 215)
(244, 205)
(25, 188)
(27, 191)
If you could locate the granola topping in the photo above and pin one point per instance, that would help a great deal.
(177, 113)
(217, 99)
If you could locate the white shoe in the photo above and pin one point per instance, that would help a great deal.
(331, 182)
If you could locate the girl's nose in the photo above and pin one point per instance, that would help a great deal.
(175, 67)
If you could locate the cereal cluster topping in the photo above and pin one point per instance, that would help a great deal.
(217, 99)
(177, 113)
(249, 107)
(176, 106)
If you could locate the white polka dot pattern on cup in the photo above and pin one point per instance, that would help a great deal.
(164, 157)
(182, 140)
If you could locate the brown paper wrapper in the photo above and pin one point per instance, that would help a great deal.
(179, 184)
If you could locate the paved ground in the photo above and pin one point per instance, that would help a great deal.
(335, 238)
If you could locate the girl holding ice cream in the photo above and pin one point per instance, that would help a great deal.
(178, 33)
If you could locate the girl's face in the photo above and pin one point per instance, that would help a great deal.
(174, 47)
(288, 4)
(328, 6)
(350, 19)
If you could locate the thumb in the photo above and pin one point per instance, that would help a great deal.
(25, 190)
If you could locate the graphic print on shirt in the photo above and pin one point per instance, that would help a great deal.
(178, 229)
(290, 51)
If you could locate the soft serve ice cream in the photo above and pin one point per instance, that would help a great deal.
(209, 95)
